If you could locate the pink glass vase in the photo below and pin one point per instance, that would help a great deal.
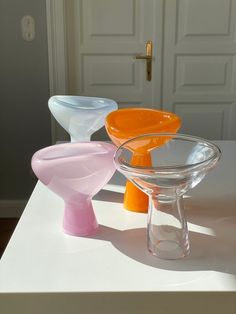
(76, 172)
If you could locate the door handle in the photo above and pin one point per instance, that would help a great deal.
(148, 58)
(143, 57)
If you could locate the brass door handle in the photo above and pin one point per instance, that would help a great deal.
(143, 57)
(148, 58)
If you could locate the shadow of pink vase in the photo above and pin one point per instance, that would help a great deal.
(76, 172)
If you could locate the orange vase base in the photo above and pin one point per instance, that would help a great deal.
(134, 199)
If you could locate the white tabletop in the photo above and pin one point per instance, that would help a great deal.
(41, 259)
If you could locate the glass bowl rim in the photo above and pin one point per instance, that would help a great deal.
(106, 102)
(167, 169)
(71, 150)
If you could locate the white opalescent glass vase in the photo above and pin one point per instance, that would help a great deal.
(80, 116)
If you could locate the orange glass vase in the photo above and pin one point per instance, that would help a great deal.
(124, 124)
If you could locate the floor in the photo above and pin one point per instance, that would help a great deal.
(7, 226)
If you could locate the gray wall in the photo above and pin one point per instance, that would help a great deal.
(24, 86)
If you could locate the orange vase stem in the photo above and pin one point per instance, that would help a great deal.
(134, 198)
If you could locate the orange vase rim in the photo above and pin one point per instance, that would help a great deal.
(136, 121)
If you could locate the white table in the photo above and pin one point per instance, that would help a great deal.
(45, 271)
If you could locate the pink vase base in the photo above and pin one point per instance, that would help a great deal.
(76, 172)
(79, 219)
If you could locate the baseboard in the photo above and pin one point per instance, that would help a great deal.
(12, 208)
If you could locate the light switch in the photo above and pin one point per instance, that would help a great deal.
(28, 28)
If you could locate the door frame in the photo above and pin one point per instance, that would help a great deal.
(57, 55)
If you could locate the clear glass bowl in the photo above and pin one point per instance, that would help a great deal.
(179, 163)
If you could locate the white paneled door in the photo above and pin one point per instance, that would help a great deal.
(199, 71)
(193, 58)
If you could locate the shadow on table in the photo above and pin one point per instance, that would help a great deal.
(216, 212)
(215, 252)
(207, 252)
(109, 196)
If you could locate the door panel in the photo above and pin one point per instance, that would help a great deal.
(203, 19)
(199, 65)
(205, 119)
